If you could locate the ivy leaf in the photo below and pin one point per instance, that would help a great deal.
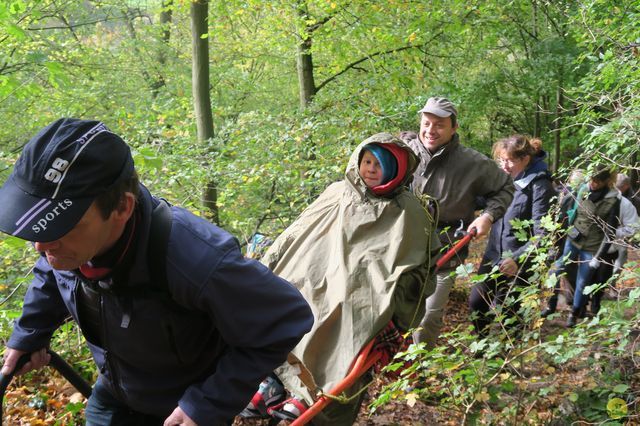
(482, 396)
(634, 294)
(148, 157)
(57, 74)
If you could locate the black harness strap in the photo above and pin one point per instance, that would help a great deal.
(161, 219)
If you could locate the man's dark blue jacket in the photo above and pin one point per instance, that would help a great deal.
(232, 323)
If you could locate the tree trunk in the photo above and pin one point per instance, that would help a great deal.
(558, 122)
(128, 19)
(166, 15)
(201, 95)
(536, 119)
(635, 173)
(304, 62)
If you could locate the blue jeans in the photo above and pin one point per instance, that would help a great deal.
(583, 277)
(103, 409)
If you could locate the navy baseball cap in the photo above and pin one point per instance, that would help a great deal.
(60, 172)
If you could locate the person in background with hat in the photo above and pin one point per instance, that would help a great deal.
(600, 216)
(456, 176)
(192, 357)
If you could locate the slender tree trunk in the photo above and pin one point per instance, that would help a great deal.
(305, 73)
(491, 131)
(536, 119)
(201, 95)
(128, 18)
(304, 62)
(635, 173)
(166, 16)
(558, 122)
(545, 109)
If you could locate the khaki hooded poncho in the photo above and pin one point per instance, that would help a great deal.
(359, 260)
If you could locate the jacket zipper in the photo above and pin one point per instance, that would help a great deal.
(172, 342)
(107, 358)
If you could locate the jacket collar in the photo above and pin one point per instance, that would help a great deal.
(612, 193)
(583, 192)
(536, 169)
(135, 269)
(444, 150)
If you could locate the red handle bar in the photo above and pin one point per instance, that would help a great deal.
(456, 248)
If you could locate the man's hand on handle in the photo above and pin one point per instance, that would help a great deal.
(482, 224)
(38, 360)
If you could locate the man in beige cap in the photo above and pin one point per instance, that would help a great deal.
(457, 177)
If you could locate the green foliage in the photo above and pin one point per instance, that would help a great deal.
(73, 414)
(500, 374)
(17, 258)
(375, 64)
(607, 98)
(508, 374)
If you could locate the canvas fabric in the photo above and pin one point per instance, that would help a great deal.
(359, 260)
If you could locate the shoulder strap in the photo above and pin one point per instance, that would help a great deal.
(161, 219)
(613, 219)
(159, 231)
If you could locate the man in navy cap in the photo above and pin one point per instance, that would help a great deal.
(182, 327)
(456, 176)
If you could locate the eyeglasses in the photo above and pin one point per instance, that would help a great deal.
(509, 161)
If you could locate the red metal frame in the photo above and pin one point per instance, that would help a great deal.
(364, 361)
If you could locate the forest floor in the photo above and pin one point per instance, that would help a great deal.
(45, 398)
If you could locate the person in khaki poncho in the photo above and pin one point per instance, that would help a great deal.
(360, 255)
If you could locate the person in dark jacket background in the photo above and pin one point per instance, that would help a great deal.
(194, 356)
(531, 201)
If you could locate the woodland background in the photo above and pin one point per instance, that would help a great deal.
(244, 111)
